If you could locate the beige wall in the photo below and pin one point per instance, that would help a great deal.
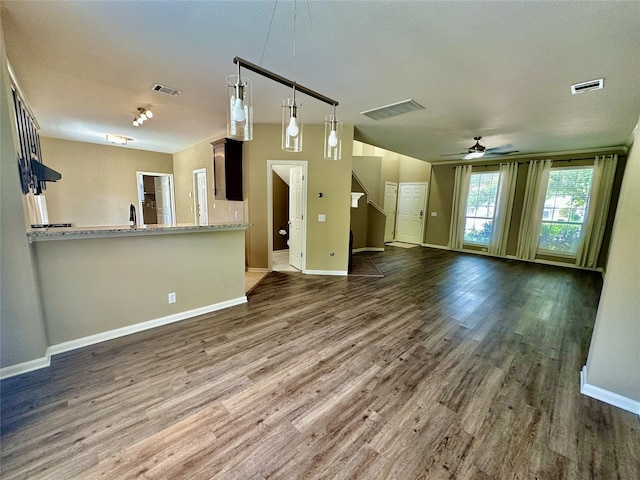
(359, 217)
(22, 331)
(331, 178)
(98, 181)
(369, 171)
(413, 170)
(614, 354)
(392, 167)
(440, 202)
(184, 163)
(376, 221)
(91, 286)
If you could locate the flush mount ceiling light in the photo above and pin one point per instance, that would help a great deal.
(142, 115)
(118, 139)
(240, 110)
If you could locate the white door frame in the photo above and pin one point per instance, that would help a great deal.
(293, 163)
(140, 188)
(195, 195)
(424, 208)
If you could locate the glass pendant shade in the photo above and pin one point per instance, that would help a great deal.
(332, 138)
(291, 125)
(240, 108)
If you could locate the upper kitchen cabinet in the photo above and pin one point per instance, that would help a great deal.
(227, 169)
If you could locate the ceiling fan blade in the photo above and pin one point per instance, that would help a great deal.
(451, 154)
(499, 149)
(503, 153)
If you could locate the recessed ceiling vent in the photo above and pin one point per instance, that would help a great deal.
(587, 86)
(167, 90)
(393, 110)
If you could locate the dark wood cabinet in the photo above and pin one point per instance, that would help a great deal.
(227, 169)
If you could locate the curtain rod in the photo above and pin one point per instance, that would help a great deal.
(527, 161)
(284, 81)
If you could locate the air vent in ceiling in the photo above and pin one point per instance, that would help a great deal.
(167, 90)
(587, 86)
(393, 110)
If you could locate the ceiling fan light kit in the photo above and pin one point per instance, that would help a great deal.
(477, 151)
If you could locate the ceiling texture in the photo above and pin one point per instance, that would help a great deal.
(502, 70)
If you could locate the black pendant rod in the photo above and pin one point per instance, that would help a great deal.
(284, 81)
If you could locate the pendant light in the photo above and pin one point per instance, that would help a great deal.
(240, 111)
(332, 136)
(291, 124)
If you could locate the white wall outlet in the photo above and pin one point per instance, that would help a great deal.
(172, 297)
(434, 214)
(322, 217)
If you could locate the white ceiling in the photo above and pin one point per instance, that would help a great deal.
(502, 70)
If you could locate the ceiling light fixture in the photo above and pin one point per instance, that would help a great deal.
(291, 124)
(240, 110)
(118, 139)
(291, 110)
(142, 115)
(333, 137)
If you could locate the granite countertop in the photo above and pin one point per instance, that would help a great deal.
(68, 233)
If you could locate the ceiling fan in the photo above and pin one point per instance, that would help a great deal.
(477, 151)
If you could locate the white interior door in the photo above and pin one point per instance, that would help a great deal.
(164, 202)
(390, 201)
(411, 208)
(295, 217)
(201, 208)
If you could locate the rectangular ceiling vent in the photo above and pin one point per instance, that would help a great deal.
(393, 110)
(166, 90)
(587, 86)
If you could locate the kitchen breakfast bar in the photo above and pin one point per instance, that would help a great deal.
(99, 283)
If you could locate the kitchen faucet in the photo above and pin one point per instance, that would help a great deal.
(132, 215)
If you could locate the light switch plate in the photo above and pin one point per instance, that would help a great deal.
(434, 214)
(322, 217)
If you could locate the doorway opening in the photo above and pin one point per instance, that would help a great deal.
(200, 206)
(286, 215)
(156, 199)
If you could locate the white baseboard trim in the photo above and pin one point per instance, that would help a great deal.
(257, 270)
(606, 396)
(430, 245)
(25, 367)
(341, 273)
(554, 264)
(368, 249)
(112, 334)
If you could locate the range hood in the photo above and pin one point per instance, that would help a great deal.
(44, 173)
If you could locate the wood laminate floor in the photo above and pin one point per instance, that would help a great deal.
(452, 366)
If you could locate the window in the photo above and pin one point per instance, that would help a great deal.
(565, 210)
(481, 206)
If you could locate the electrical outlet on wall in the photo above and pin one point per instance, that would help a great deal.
(172, 297)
